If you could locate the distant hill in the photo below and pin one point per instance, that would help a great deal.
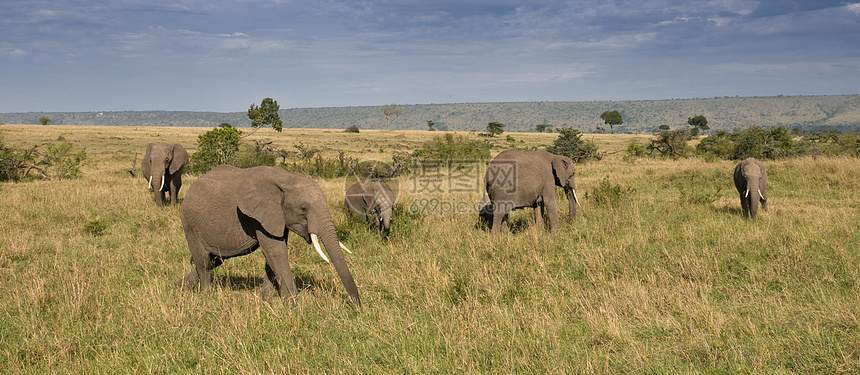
(640, 116)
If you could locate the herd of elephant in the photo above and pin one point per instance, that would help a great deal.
(232, 211)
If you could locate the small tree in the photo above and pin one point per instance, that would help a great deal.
(611, 118)
(265, 115)
(544, 128)
(663, 127)
(214, 148)
(391, 112)
(45, 120)
(672, 143)
(569, 143)
(430, 124)
(698, 123)
(495, 128)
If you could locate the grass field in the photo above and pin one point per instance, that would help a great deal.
(670, 279)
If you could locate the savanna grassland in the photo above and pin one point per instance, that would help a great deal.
(667, 278)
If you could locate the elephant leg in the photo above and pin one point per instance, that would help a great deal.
(278, 262)
(174, 190)
(268, 283)
(551, 209)
(745, 205)
(204, 263)
(539, 215)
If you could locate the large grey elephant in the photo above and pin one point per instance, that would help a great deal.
(231, 211)
(162, 166)
(517, 179)
(369, 199)
(751, 181)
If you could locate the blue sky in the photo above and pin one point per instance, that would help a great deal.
(223, 56)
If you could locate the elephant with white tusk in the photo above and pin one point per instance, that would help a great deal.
(231, 212)
(162, 166)
(751, 181)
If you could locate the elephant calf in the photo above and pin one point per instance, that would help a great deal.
(517, 179)
(751, 181)
(369, 199)
(162, 166)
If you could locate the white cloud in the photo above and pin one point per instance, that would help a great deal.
(854, 8)
(17, 52)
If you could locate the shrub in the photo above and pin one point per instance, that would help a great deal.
(450, 147)
(214, 148)
(569, 143)
(63, 160)
(671, 143)
(719, 144)
(250, 156)
(634, 151)
(351, 129)
(608, 194)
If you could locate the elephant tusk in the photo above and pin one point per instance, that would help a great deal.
(747, 193)
(344, 247)
(759, 194)
(162, 183)
(575, 199)
(150, 183)
(316, 242)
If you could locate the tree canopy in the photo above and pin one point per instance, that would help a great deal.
(266, 114)
(611, 118)
(391, 112)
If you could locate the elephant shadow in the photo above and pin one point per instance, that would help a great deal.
(729, 210)
(304, 281)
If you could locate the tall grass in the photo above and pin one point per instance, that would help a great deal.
(670, 279)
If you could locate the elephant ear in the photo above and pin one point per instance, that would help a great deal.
(261, 199)
(562, 168)
(146, 164)
(179, 158)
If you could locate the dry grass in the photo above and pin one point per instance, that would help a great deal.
(670, 280)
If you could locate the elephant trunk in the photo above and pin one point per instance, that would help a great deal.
(752, 196)
(328, 234)
(572, 202)
(157, 190)
(386, 219)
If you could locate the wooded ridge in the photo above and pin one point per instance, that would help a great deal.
(840, 112)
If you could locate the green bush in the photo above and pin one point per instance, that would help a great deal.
(249, 156)
(569, 143)
(671, 143)
(214, 148)
(63, 160)
(450, 147)
(608, 194)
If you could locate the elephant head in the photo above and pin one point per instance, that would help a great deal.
(372, 198)
(232, 211)
(563, 170)
(751, 182)
(162, 166)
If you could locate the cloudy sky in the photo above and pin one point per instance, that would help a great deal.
(222, 55)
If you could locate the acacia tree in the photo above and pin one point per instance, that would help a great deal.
(698, 123)
(495, 128)
(391, 110)
(45, 120)
(611, 118)
(265, 114)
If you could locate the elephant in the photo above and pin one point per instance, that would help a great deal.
(232, 211)
(750, 176)
(371, 198)
(163, 164)
(517, 179)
